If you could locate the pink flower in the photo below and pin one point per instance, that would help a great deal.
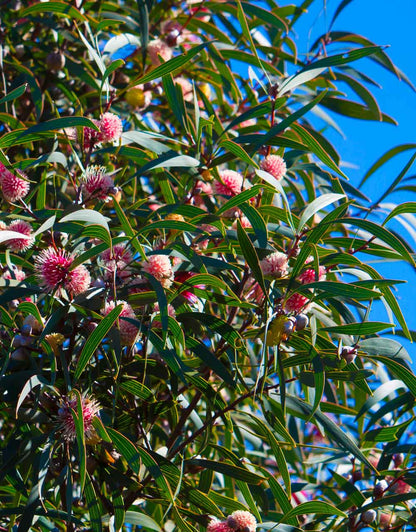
(20, 244)
(91, 136)
(14, 187)
(90, 409)
(52, 267)
(117, 262)
(230, 185)
(297, 303)
(161, 268)
(215, 525)
(309, 276)
(274, 265)
(181, 277)
(97, 183)
(275, 165)
(111, 127)
(187, 90)
(242, 521)
(157, 48)
(128, 331)
(15, 273)
(244, 221)
(400, 486)
(156, 322)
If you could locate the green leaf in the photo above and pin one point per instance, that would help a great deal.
(251, 257)
(309, 140)
(385, 347)
(313, 507)
(89, 216)
(408, 207)
(114, 65)
(61, 8)
(95, 339)
(142, 520)
(239, 473)
(15, 93)
(138, 389)
(94, 506)
(398, 370)
(316, 205)
(170, 66)
(60, 123)
(238, 151)
(385, 158)
(134, 455)
(359, 329)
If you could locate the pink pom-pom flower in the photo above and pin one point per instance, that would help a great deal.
(161, 268)
(230, 185)
(242, 521)
(21, 244)
(297, 303)
(90, 409)
(117, 262)
(111, 127)
(128, 331)
(14, 187)
(309, 275)
(157, 48)
(274, 265)
(275, 165)
(215, 525)
(52, 267)
(97, 183)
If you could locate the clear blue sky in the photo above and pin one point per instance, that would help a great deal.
(385, 23)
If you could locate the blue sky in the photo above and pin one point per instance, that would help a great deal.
(385, 23)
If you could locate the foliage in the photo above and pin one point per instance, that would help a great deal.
(187, 296)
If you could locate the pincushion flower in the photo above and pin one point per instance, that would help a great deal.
(297, 303)
(128, 331)
(15, 273)
(116, 262)
(275, 165)
(14, 187)
(52, 267)
(242, 521)
(215, 525)
(309, 275)
(157, 48)
(230, 185)
(90, 409)
(161, 268)
(91, 136)
(111, 127)
(97, 183)
(20, 244)
(274, 265)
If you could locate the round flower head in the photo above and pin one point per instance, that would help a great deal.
(187, 90)
(297, 303)
(20, 244)
(14, 187)
(78, 280)
(230, 185)
(97, 183)
(128, 331)
(309, 275)
(157, 48)
(275, 165)
(111, 127)
(215, 525)
(90, 409)
(116, 262)
(242, 521)
(161, 268)
(14, 274)
(52, 269)
(274, 265)
(92, 136)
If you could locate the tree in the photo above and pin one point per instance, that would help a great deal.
(187, 335)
